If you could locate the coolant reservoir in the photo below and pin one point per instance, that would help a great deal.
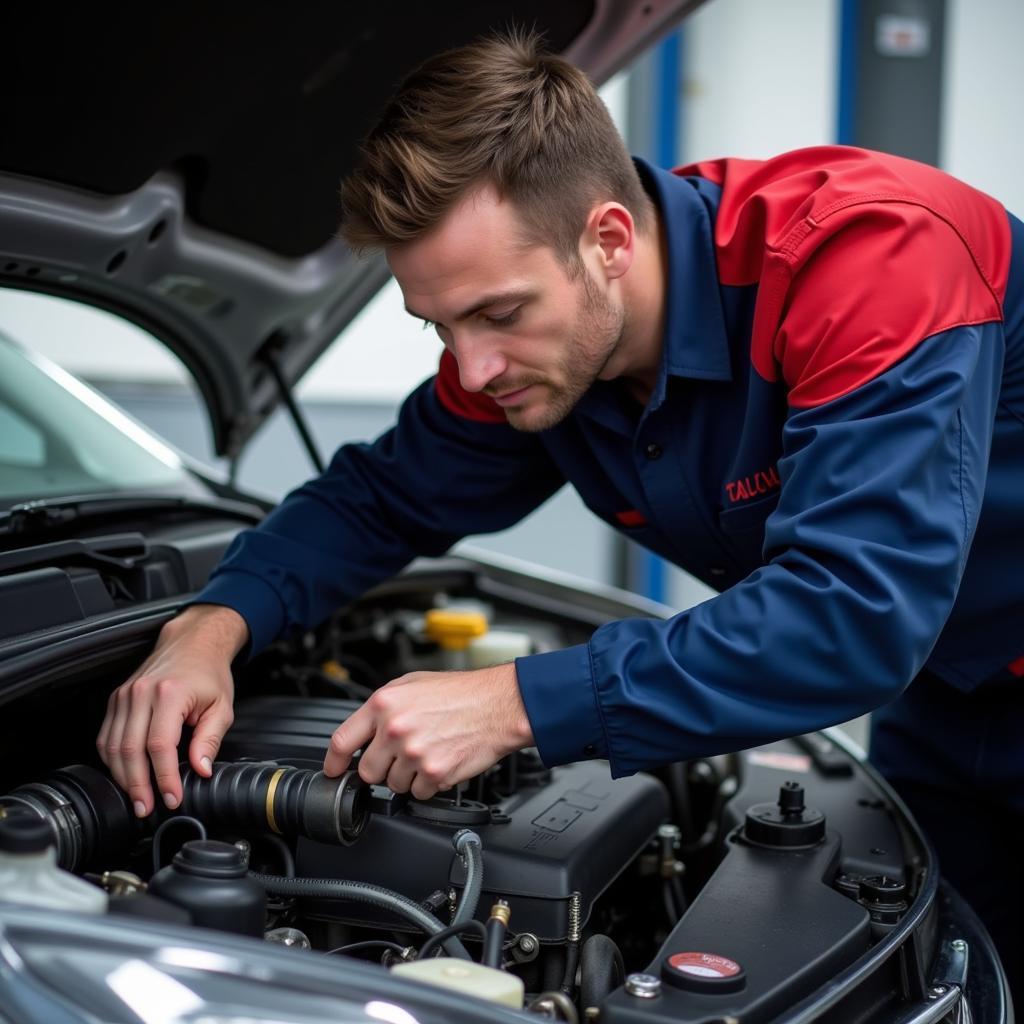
(29, 874)
(465, 976)
(453, 629)
(497, 647)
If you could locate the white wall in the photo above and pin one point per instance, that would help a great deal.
(760, 77)
(982, 115)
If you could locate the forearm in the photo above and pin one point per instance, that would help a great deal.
(216, 630)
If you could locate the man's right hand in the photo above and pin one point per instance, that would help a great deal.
(187, 679)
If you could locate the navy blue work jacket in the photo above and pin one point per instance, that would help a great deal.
(835, 443)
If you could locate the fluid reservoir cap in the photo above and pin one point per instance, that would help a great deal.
(884, 898)
(882, 889)
(453, 629)
(24, 833)
(703, 972)
(209, 858)
(788, 824)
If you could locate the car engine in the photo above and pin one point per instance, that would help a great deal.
(581, 887)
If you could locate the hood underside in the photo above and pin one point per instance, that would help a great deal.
(180, 166)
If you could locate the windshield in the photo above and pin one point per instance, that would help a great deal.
(58, 437)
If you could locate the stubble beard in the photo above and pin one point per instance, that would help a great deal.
(597, 335)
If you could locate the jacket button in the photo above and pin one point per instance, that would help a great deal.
(653, 451)
(589, 750)
(716, 570)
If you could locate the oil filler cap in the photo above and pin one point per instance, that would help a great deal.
(703, 972)
(788, 824)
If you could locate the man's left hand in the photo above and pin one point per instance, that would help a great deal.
(427, 731)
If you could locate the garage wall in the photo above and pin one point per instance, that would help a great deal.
(759, 78)
(983, 109)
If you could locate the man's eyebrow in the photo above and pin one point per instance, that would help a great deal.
(496, 299)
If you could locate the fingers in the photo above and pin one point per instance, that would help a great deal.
(206, 739)
(112, 732)
(134, 762)
(170, 710)
(353, 733)
(122, 742)
(400, 776)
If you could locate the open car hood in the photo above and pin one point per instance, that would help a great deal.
(181, 166)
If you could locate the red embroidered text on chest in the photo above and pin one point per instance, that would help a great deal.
(761, 482)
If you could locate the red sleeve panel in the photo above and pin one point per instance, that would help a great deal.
(460, 402)
(859, 257)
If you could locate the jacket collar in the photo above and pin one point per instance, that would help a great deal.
(695, 344)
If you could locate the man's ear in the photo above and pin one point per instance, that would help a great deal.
(610, 237)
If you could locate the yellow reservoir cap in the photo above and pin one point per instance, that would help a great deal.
(454, 629)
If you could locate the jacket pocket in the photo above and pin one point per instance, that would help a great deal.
(743, 530)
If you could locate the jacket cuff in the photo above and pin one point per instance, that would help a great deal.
(253, 599)
(561, 702)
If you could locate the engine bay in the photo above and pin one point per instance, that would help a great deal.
(728, 886)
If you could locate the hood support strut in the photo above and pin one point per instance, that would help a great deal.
(270, 361)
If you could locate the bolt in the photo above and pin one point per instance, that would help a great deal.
(959, 946)
(527, 943)
(938, 990)
(544, 1008)
(643, 986)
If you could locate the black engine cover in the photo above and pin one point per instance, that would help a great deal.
(572, 830)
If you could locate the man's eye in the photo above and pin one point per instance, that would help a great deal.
(505, 320)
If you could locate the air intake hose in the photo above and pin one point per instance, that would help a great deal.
(90, 817)
(286, 800)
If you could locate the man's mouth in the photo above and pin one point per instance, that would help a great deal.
(512, 397)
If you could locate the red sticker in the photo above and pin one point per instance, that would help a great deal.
(705, 965)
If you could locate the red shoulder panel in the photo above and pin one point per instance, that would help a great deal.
(460, 402)
(888, 276)
(858, 257)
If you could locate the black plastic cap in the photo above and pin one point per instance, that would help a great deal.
(209, 858)
(24, 833)
(883, 890)
(791, 798)
(786, 824)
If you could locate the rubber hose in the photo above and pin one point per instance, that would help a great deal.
(601, 970)
(572, 960)
(494, 940)
(362, 892)
(467, 845)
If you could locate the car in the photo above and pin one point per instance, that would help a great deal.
(177, 169)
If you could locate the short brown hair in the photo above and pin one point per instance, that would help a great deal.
(499, 111)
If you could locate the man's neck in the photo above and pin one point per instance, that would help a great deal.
(646, 303)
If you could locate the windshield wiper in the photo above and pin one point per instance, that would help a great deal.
(45, 515)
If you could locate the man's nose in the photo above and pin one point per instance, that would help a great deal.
(479, 362)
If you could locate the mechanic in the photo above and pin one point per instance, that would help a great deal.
(800, 379)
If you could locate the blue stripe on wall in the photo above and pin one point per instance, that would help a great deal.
(846, 98)
(666, 100)
(667, 136)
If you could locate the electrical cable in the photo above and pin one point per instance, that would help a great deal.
(158, 835)
(287, 860)
(435, 940)
(353, 947)
(363, 892)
